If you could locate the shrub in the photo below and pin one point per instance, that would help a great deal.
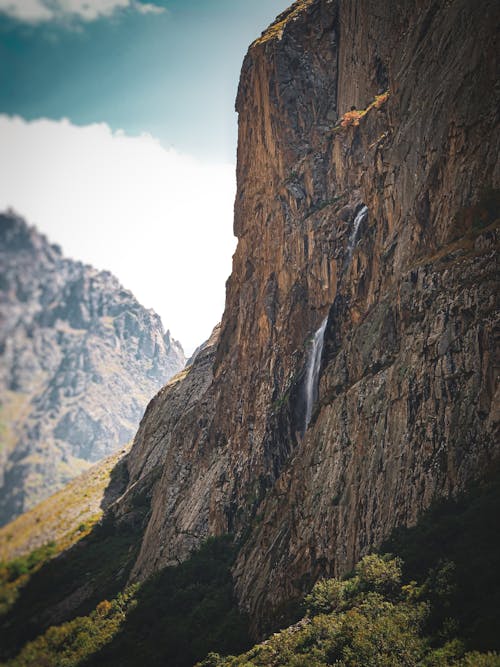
(67, 645)
(476, 659)
(381, 574)
(381, 99)
(352, 118)
(104, 608)
(326, 596)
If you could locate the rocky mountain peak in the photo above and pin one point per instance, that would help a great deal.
(79, 360)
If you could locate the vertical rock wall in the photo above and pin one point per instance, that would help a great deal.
(407, 406)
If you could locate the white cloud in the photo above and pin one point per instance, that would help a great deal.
(40, 11)
(148, 8)
(31, 11)
(159, 220)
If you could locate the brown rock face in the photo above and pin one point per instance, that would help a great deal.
(407, 406)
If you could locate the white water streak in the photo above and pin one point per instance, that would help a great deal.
(353, 238)
(312, 370)
(314, 360)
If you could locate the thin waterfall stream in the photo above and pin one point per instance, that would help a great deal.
(314, 360)
(353, 238)
(312, 370)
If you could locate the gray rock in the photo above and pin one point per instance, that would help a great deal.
(79, 360)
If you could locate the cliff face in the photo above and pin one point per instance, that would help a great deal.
(407, 405)
(79, 359)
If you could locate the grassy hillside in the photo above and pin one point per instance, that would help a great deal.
(173, 619)
(64, 516)
(44, 551)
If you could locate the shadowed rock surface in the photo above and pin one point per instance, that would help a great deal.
(392, 106)
(79, 360)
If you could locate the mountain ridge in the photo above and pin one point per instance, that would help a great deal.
(72, 339)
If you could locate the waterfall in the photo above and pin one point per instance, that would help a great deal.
(314, 359)
(312, 371)
(360, 216)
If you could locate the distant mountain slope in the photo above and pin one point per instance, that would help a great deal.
(79, 360)
(67, 515)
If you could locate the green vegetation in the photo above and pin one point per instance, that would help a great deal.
(60, 517)
(280, 402)
(68, 644)
(275, 30)
(369, 619)
(26, 564)
(182, 613)
(175, 618)
(94, 568)
(433, 605)
(84, 561)
(454, 554)
(15, 574)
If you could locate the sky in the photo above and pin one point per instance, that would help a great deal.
(118, 139)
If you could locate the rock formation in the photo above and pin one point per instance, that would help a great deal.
(342, 105)
(79, 360)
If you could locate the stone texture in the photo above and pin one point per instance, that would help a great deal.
(408, 396)
(79, 360)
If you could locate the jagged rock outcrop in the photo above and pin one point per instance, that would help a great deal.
(392, 106)
(79, 360)
(177, 411)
